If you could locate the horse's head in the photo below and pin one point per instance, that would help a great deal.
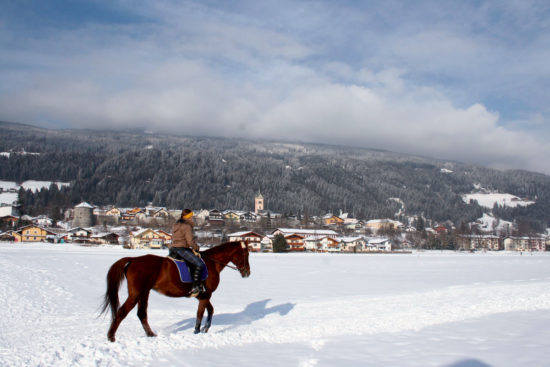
(240, 259)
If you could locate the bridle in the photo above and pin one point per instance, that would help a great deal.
(237, 268)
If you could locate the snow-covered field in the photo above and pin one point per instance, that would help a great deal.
(489, 200)
(11, 197)
(420, 309)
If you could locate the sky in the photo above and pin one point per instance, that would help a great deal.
(458, 80)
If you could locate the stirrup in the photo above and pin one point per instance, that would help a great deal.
(194, 292)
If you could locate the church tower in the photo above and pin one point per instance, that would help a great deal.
(258, 203)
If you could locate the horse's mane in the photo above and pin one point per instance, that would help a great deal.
(220, 248)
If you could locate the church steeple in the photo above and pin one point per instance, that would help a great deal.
(258, 202)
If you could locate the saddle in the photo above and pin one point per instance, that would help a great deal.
(185, 271)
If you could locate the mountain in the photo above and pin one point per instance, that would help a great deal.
(133, 168)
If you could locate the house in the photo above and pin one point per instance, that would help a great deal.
(379, 244)
(9, 220)
(114, 212)
(79, 235)
(352, 244)
(201, 216)
(34, 233)
(250, 217)
(8, 236)
(107, 238)
(231, 215)
(42, 221)
(159, 213)
(267, 244)
(376, 225)
(306, 232)
(332, 220)
(156, 243)
(295, 242)
(329, 244)
(312, 243)
(252, 238)
(165, 236)
(524, 243)
(353, 224)
(144, 238)
(479, 242)
(215, 218)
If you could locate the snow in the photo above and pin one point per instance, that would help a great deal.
(11, 197)
(489, 223)
(445, 170)
(8, 198)
(39, 185)
(419, 309)
(489, 200)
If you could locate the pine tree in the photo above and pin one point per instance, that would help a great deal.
(280, 244)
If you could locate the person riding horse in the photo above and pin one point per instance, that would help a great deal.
(185, 247)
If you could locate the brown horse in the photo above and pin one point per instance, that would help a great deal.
(148, 272)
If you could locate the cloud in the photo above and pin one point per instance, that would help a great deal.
(201, 70)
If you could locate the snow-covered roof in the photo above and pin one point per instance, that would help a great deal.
(312, 232)
(85, 205)
(239, 234)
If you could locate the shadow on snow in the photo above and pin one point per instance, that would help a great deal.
(252, 312)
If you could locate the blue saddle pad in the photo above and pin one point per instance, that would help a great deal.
(185, 274)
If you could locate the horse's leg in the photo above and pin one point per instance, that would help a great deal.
(120, 315)
(210, 310)
(200, 314)
(142, 313)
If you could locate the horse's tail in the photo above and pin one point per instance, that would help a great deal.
(115, 276)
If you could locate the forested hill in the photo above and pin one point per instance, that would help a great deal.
(136, 168)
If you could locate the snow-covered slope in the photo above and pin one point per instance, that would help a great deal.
(422, 309)
(488, 200)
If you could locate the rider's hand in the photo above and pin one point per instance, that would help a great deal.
(196, 253)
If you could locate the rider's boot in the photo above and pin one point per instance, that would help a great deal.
(196, 287)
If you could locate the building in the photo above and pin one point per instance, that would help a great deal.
(306, 232)
(79, 235)
(258, 203)
(525, 243)
(376, 225)
(380, 244)
(332, 220)
(83, 215)
(146, 238)
(253, 239)
(479, 242)
(34, 233)
(295, 242)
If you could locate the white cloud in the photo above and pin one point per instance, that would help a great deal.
(199, 70)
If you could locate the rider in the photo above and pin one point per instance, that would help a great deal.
(184, 245)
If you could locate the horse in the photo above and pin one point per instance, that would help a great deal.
(147, 272)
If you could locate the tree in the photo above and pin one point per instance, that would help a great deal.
(280, 244)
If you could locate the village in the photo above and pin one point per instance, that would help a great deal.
(150, 227)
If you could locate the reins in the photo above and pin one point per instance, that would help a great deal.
(221, 263)
(237, 268)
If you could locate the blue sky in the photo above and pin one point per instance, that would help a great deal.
(457, 80)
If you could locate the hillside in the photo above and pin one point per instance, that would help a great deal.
(134, 168)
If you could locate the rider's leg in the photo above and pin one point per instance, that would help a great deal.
(197, 264)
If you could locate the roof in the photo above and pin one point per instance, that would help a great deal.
(240, 234)
(85, 205)
(312, 232)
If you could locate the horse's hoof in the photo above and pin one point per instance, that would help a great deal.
(111, 338)
(205, 329)
(196, 331)
(151, 334)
